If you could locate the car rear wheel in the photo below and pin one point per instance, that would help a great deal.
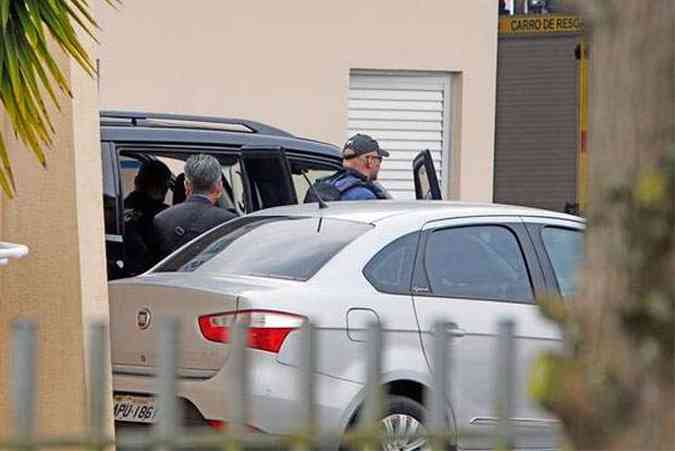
(402, 425)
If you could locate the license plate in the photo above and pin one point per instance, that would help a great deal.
(137, 409)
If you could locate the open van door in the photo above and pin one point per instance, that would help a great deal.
(266, 178)
(426, 181)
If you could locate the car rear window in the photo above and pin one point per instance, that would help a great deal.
(390, 271)
(279, 247)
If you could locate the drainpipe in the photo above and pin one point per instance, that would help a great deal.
(11, 250)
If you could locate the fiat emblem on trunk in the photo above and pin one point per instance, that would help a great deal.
(143, 318)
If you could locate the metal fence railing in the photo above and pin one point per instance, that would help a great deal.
(167, 432)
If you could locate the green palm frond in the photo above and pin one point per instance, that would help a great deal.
(26, 66)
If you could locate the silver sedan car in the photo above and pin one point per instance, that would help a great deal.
(403, 264)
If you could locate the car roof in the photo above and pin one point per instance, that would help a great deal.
(374, 211)
(143, 127)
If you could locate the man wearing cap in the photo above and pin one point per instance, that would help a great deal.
(362, 158)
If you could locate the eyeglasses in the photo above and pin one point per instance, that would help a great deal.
(376, 157)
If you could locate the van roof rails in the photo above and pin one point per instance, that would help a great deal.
(167, 120)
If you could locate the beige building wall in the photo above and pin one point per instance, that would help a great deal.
(287, 63)
(60, 285)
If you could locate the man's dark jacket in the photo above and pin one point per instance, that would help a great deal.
(181, 223)
(140, 246)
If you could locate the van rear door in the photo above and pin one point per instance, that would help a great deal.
(266, 176)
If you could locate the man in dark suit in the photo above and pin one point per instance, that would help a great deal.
(140, 208)
(181, 223)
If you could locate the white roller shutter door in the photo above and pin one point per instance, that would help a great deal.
(406, 113)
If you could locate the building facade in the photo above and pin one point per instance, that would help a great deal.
(540, 149)
(414, 74)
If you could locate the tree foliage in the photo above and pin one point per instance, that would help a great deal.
(28, 70)
(613, 387)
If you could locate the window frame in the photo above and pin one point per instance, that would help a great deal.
(535, 226)
(144, 151)
(114, 241)
(110, 168)
(446, 81)
(321, 164)
(421, 285)
(409, 290)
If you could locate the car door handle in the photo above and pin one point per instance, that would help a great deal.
(455, 331)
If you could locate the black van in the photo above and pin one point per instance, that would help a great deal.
(262, 165)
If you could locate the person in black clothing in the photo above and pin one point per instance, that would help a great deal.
(140, 207)
(199, 213)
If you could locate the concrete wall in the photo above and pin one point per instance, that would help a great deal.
(288, 62)
(61, 284)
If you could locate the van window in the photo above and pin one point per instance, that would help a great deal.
(314, 170)
(130, 164)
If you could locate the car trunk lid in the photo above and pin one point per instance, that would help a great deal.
(137, 304)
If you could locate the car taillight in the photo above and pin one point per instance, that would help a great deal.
(267, 330)
(220, 425)
(217, 327)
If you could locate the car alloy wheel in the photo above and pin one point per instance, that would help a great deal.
(403, 432)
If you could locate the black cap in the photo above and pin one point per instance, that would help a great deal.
(361, 144)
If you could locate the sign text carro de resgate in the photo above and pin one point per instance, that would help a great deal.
(540, 24)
